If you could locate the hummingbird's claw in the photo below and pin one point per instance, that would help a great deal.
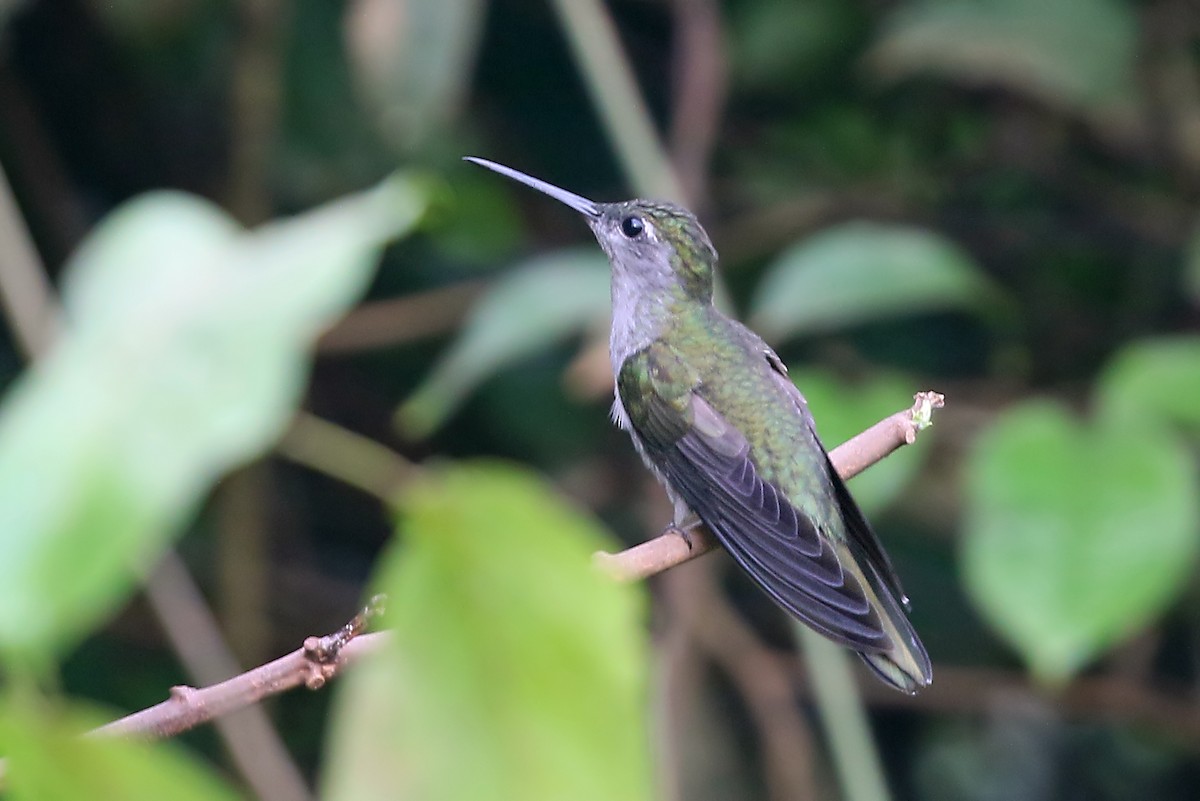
(671, 528)
(682, 528)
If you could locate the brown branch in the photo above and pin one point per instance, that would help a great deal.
(256, 102)
(963, 690)
(765, 682)
(25, 292)
(388, 323)
(701, 82)
(312, 665)
(850, 458)
(253, 744)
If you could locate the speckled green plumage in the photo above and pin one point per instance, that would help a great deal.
(718, 359)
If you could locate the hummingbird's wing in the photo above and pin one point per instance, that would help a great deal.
(706, 461)
(859, 531)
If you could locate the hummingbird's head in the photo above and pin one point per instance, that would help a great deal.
(660, 246)
(654, 247)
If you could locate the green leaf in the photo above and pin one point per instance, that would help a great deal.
(862, 271)
(47, 760)
(1075, 536)
(1076, 54)
(530, 309)
(516, 671)
(412, 59)
(185, 355)
(1155, 380)
(844, 409)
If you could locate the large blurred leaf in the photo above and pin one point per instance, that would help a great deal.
(184, 356)
(47, 760)
(412, 59)
(843, 409)
(1075, 536)
(863, 271)
(1078, 54)
(516, 670)
(1157, 379)
(530, 309)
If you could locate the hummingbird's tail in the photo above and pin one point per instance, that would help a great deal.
(906, 676)
(905, 665)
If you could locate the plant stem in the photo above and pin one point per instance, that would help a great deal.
(844, 718)
(614, 92)
(345, 455)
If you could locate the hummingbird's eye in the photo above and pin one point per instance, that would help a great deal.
(632, 226)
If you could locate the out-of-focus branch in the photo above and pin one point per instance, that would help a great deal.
(252, 742)
(25, 290)
(958, 690)
(849, 459)
(765, 682)
(386, 323)
(347, 456)
(610, 81)
(700, 71)
(256, 97)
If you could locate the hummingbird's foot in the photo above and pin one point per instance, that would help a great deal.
(671, 528)
(689, 522)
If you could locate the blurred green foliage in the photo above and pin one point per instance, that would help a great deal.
(47, 760)
(530, 309)
(516, 671)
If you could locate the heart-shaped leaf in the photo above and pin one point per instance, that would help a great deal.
(1075, 535)
(862, 271)
(530, 309)
(1154, 380)
(516, 671)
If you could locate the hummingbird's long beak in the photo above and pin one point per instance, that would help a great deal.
(580, 204)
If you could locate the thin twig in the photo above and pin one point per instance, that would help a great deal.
(700, 72)
(958, 690)
(843, 717)
(314, 664)
(345, 455)
(25, 290)
(388, 323)
(610, 81)
(252, 741)
(256, 98)
(766, 683)
(849, 459)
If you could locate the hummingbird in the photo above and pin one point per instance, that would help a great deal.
(715, 418)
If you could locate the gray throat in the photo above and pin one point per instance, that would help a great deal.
(638, 318)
